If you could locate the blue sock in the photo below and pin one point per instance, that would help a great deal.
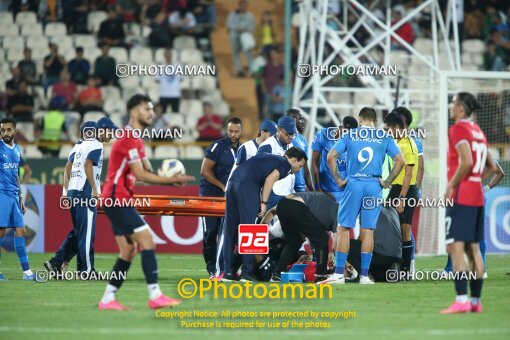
(366, 258)
(483, 249)
(448, 267)
(414, 247)
(341, 258)
(21, 250)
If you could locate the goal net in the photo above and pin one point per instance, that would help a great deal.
(492, 90)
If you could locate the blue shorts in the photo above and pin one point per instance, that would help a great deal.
(351, 204)
(464, 224)
(337, 195)
(10, 213)
(125, 220)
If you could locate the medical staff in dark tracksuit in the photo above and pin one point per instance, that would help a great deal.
(244, 201)
(216, 167)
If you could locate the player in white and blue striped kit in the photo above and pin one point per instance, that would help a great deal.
(11, 214)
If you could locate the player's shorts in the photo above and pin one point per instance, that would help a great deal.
(10, 213)
(464, 224)
(337, 195)
(357, 199)
(407, 215)
(125, 220)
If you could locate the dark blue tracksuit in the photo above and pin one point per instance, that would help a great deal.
(243, 202)
(223, 154)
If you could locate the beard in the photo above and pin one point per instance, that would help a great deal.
(7, 139)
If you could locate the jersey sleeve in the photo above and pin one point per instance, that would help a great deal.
(132, 149)
(458, 135)
(213, 151)
(284, 169)
(392, 148)
(241, 155)
(341, 145)
(94, 153)
(265, 149)
(407, 152)
(317, 142)
(22, 162)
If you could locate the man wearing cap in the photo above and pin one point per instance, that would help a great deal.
(216, 167)
(70, 246)
(278, 145)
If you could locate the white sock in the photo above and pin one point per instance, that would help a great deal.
(475, 301)
(28, 272)
(154, 291)
(109, 293)
(462, 298)
(412, 266)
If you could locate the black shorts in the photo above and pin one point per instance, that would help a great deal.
(125, 220)
(407, 216)
(464, 224)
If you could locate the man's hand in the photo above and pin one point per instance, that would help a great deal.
(262, 210)
(448, 192)
(23, 208)
(342, 183)
(384, 184)
(180, 179)
(94, 193)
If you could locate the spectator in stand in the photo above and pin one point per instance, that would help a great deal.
(104, 68)
(502, 43)
(66, 89)
(148, 10)
(111, 31)
(273, 72)
(210, 125)
(241, 22)
(205, 21)
(52, 126)
(27, 67)
(161, 122)
(50, 11)
(182, 22)
(23, 6)
(79, 68)
(405, 31)
(127, 9)
(266, 36)
(53, 65)
(90, 98)
(21, 105)
(277, 100)
(492, 59)
(12, 85)
(169, 86)
(159, 36)
(75, 16)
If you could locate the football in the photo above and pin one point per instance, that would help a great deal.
(170, 167)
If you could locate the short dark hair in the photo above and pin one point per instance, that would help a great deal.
(136, 100)
(293, 113)
(368, 113)
(79, 49)
(394, 120)
(404, 113)
(7, 120)
(297, 153)
(235, 120)
(469, 102)
(349, 122)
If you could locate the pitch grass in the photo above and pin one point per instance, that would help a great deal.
(67, 310)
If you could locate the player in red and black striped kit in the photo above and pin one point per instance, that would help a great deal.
(467, 159)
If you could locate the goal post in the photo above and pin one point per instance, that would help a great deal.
(492, 90)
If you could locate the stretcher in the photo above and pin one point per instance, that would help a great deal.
(180, 205)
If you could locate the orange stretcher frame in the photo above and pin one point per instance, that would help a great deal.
(181, 205)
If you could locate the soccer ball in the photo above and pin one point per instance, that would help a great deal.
(170, 167)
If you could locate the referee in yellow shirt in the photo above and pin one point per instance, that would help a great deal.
(404, 186)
